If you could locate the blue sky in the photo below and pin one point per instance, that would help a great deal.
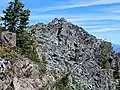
(99, 17)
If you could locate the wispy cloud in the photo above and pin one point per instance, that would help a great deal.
(91, 29)
(105, 30)
(77, 18)
(101, 26)
(117, 11)
(92, 3)
(86, 18)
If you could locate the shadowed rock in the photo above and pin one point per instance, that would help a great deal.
(8, 38)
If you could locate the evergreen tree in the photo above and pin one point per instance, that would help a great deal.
(16, 20)
(24, 19)
(15, 17)
(0, 25)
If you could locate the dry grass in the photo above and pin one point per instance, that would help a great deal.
(4, 49)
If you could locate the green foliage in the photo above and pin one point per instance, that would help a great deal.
(44, 60)
(0, 28)
(78, 86)
(24, 17)
(105, 51)
(16, 20)
(27, 45)
(28, 49)
(0, 24)
(15, 17)
(43, 64)
(105, 65)
(9, 53)
(55, 75)
(63, 83)
(60, 86)
(79, 28)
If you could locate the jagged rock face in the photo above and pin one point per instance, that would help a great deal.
(69, 49)
(8, 38)
(22, 74)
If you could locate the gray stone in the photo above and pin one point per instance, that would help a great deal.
(22, 74)
(70, 49)
(8, 38)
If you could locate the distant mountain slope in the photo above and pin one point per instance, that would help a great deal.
(116, 47)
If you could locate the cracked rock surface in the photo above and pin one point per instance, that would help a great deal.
(22, 74)
(70, 49)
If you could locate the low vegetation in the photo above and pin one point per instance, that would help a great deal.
(63, 84)
(16, 20)
(105, 51)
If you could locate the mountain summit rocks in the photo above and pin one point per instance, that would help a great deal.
(69, 50)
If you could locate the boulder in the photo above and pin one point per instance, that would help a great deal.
(8, 38)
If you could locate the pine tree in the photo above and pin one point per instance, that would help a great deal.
(0, 27)
(15, 17)
(0, 24)
(24, 19)
(8, 18)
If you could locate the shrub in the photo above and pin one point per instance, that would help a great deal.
(27, 45)
(63, 84)
(105, 51)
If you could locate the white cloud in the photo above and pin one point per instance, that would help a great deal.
(117, 11)
(78, 18)
(86, 18)
(101, 26)
(86, 4)
(105, 30)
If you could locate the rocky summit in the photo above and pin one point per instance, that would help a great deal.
(69, 59)
(88, 62)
